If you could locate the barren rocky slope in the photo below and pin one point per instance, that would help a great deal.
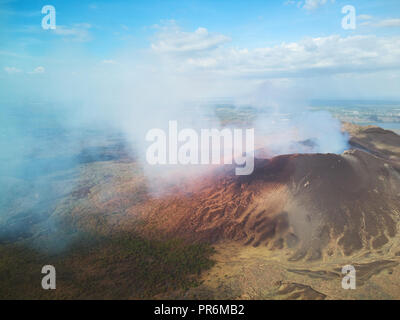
(283, 232)
(312, 204)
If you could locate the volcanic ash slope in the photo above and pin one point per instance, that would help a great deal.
(315, 206)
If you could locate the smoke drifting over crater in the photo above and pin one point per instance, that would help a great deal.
(79, 107)
(285, 125)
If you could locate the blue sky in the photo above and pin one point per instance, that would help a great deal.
(249, 23)
(220, 39)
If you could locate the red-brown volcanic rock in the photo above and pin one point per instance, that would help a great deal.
(313, 204)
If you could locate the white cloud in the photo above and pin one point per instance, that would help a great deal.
(388, 23)
(384, 23)
(38, 70)
(173, 40)
(108, 61)
(364, 17)
(193, 52)
(78, 32)
(309, 4)
(12, 70)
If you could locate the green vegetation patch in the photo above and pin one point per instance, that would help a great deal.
(229, 114)
(118, 267)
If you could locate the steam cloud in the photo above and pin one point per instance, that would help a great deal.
(54, 123)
